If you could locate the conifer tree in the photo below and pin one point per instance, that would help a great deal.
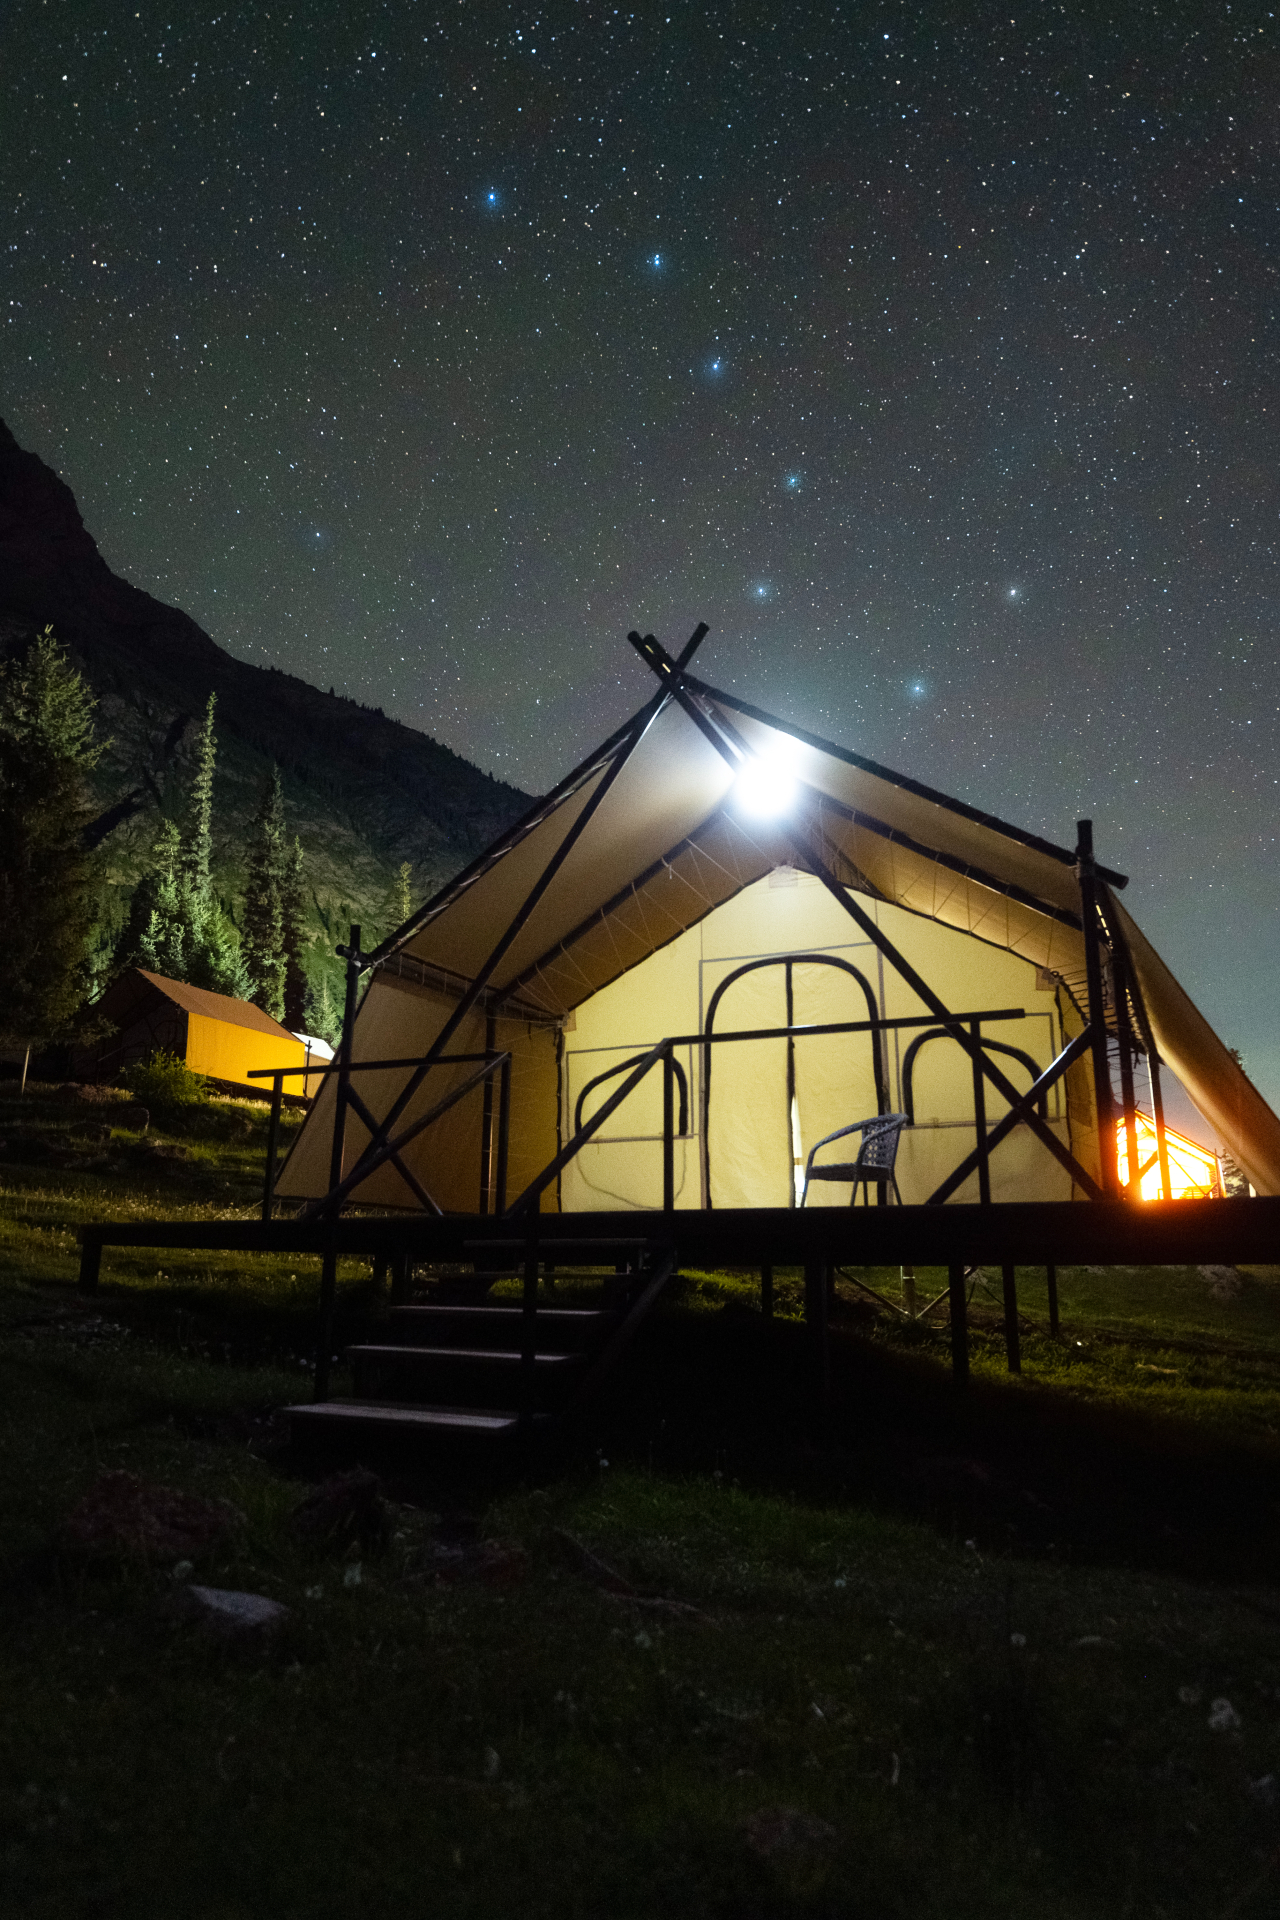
(397, 901)
(176, 925)
(293, 916)
(321, 1013)
(198, 859)
(268, 874)
(155, 936)
(47, 749)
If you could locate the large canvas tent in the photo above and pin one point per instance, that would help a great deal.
(711, 869)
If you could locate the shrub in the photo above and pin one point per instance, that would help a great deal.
(165, 1084)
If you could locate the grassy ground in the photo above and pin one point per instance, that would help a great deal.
(1015, 1657)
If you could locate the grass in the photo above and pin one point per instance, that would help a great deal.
(957, 1640)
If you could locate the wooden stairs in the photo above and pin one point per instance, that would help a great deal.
(461, 1368)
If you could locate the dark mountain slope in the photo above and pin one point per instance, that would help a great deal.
(363, 793)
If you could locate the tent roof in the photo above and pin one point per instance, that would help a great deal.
(669, 842)
(130, 990)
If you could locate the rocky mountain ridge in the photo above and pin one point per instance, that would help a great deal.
(364, 793)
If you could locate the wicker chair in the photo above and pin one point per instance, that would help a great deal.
(876, 1158)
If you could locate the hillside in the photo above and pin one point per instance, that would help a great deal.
(362, 792)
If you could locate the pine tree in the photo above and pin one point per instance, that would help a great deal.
(47, 748)
(213, 945)
(397, 902)
(176, 925)
(155, 935)
(198, 860)
(293, 919)
(264, 897)
(322, 1016)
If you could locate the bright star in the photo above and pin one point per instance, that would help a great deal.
(792, 483)
(655, 260)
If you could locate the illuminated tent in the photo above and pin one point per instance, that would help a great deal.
(710, 867)
(213, 1033)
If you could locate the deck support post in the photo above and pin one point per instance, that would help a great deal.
(959, 1323)
(1051, 1282)
(908, 1291)
(816, 1284)
(324, 1330)
(1012, 1343)
(273, 1145)
(90, 1264)
(401, 1268)
(528, 1330)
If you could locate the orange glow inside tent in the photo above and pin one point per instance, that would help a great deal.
(1193, 1170)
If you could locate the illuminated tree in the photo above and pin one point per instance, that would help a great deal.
(47, 748)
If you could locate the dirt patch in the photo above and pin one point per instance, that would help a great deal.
(122, 1514)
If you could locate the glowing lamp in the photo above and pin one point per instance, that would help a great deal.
(1193, 1170)
(763, 790)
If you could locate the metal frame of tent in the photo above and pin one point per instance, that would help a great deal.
(1039, 1232)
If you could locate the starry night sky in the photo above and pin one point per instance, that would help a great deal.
(927, 354)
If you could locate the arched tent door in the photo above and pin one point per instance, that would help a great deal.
(766, 1102)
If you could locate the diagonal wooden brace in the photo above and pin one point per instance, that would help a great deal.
(1054, 1071)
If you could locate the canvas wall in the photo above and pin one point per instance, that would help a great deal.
(747, 1151)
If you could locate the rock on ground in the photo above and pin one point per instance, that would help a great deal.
(225, 1611)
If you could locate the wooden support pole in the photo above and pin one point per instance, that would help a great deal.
(487, 1120)
(815, 1315)
(1086, 873)
(909, 1292)
(351, 954)
(959, 1324)
(1012, 1344)
(379, 1275)
(401, 1267)
(980, 1116)
(529, 1332)
(766, 1292)
(789, 983)
(504, 1132)
(668, 1130)
(324, 1330)
(1051, 1281)
(90, 1264)
(273, 1145)
(1128, 1047)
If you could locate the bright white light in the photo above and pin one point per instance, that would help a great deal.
(763, 790)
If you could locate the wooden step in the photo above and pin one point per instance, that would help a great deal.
(484, 1356)
(501, 1326)
(394, 1417)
